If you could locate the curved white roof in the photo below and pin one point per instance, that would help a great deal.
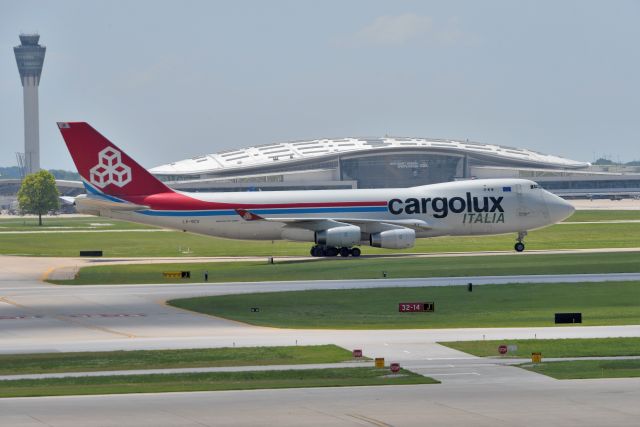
(266, 155)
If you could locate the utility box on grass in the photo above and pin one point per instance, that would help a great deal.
(568, 317)
(90, 253)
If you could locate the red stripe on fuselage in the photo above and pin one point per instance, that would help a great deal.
(182, 202)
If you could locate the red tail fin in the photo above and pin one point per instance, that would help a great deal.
(104, 166)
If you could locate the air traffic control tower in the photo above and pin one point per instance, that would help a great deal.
(30, 57)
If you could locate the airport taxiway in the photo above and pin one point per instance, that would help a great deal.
(38, 317)
(580, 403)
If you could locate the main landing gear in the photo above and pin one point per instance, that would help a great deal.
(319, 251)
(519, 246)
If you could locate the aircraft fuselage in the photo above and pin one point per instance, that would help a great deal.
(476, 207)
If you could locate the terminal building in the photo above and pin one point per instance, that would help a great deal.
(376, 163)
(389, 162)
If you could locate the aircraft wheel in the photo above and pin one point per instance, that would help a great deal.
(331, 251)
(313, 250)
(344, 252)
(355, 252)
(519, 247)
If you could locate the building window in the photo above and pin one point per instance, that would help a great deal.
(401, 170)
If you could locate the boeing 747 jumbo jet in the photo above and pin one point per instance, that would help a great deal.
(336, 221)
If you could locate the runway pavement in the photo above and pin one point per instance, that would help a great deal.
(510, 403)
(37, 317)
(40, 317)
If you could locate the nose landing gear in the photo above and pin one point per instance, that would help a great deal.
(519, 246)
(331, 251)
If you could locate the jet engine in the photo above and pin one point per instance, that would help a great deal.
(345, 236)
(394, 239)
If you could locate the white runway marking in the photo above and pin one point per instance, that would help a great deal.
(457, 373)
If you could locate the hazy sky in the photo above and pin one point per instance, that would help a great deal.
(172, 80)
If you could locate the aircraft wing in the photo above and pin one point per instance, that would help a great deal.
(376, 225)
(318, 224)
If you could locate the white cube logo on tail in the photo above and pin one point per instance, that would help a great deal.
(110, 169)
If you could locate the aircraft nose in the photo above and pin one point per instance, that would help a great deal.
(559, 209)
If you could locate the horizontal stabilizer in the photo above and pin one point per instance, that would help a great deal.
(87, 203)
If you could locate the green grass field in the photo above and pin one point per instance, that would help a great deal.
(62, 223)
(583, 369)
(341, 377)
(592, 347)
(563, 236)
(372, 268)
(38, 363)
(603, 215)
(608, 303)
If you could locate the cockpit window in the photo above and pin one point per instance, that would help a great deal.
(534, 186)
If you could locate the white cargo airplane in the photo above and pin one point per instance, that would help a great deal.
(337, 221)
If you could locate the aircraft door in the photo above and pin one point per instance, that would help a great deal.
(523, 209)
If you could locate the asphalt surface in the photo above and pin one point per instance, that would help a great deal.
(512, 402)
(37, 317)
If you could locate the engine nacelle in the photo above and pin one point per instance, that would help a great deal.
(348, 235)
(394, 239)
